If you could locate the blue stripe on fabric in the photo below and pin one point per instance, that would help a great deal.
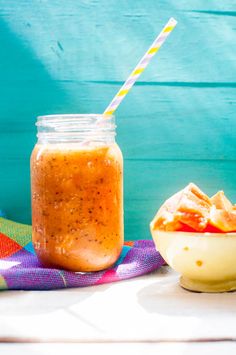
(29, 247)
(123, 254)
(2, 214)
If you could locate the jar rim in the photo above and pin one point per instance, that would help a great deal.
(76, 115)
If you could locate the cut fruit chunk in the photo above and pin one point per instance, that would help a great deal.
(223, 219)
(220, 201)
(166, 218)
(189, 207)
(192, 210)
(223, 213)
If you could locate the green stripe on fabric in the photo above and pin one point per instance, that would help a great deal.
(3, 284)
(20, 233)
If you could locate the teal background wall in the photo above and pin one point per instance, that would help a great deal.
(177, 125)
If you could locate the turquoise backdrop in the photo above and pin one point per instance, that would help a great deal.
(177, 125)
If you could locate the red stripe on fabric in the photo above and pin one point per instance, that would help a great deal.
(129, 243)
(108, 276)
(8, 246)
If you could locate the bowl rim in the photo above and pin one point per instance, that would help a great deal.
(199, 234)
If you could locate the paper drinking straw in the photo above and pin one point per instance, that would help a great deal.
(141, 66)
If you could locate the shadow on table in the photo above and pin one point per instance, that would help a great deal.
(167, 297)
(40, 302)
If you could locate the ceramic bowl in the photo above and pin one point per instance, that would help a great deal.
(206, 261)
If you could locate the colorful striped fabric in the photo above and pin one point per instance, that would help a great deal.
(21, 270)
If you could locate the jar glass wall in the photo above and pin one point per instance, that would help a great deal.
(77, 192)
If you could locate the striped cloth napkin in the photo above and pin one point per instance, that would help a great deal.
(21, 270)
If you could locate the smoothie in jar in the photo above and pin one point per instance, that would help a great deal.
(77, 197)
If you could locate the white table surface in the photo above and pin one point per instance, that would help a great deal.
(150, 313)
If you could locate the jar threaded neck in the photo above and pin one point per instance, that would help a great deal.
(76, 128)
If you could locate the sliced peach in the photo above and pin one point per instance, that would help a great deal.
(223, 213)
(220, 201)
(166, 218)
(223, 219)
(194, 208)
(190, 207)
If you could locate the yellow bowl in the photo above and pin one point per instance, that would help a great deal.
(206, 261)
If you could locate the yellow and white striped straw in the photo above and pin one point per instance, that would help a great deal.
(141, 66)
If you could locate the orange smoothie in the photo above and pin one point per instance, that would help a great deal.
(77, 205)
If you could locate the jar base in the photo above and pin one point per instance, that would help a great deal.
(78, 266)
(208, 287)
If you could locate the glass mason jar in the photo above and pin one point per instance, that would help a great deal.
(77, 192)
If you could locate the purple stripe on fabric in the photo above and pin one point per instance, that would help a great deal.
(25, 258)
(82, 279)
(37, 279)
